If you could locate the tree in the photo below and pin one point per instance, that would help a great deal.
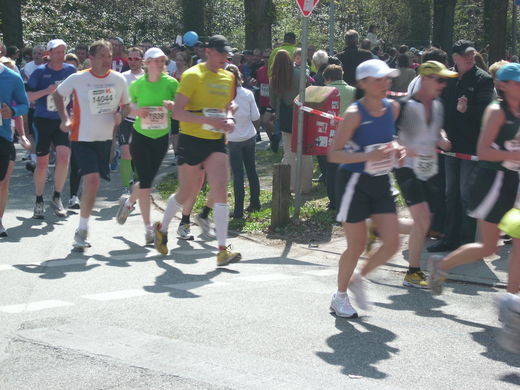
(259, 19)
(193, 16)
(12, 27)
(495, 22)
(420, 22)
(443, 20)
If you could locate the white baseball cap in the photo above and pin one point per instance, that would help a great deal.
(54, 43)
(375, 68)
(154, 52)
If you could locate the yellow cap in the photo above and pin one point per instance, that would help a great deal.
(434, 67)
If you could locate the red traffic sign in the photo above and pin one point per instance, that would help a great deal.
(306, 6)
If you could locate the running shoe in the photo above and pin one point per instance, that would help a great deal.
(184, 231)
(58, 208)
(3, 232)
(205, 225)
(416, 279)
(39, 210)
(123, 211)
(125, 191)
(149, 238)
(160, 239)
(30, 166)
(509, 336)
(74, 203)
(225, 256)
(342, 307)
(437, 275)
(358, 288)
(80, 239)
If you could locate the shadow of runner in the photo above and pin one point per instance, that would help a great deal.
(358, 351)
(27, 229)
(59, 268)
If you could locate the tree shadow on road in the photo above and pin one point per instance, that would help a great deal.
(358, 351)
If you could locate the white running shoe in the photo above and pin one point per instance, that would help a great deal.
(184, 232)
(205, 225)
(39, 210)
(509, 315)
(74, 203)
(58, 208)
(3, 232)
(80, 239)
(123, 210)
(358, 288)
(149, 237)
(342, 307)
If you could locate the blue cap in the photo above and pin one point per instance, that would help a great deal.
(508, 72)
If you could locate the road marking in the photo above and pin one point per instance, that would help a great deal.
(34, 306)
(67, 262)
(322, 272)
(5, 267)
(267, 277)
(112, 295)
(195, 285)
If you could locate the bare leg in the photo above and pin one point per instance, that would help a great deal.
(356, 235)
(421, 224)
(62, 167)
(91, 184)
(388, 233)
(4, 188)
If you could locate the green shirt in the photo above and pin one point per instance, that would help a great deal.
(290, 47)
(347, 94)
(147, 94)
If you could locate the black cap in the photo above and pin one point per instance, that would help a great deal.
(219, 43)
(462, 46)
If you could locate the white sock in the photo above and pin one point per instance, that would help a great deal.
(148, 228)
(221, 214)
(83, 223)
(33, 157)
(341, 295)
(128, 204)
(169, 213)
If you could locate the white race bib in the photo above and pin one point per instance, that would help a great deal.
(213, 113)
(425, 166)
(379, 167)
(157, 119)
(102, 101)
(264, 90)
(512, 146)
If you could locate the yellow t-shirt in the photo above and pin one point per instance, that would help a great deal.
(205, 90)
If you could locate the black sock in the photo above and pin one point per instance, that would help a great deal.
(412, 270)
(39, 198)
(205, 212)
(185, 219)
(56, 195)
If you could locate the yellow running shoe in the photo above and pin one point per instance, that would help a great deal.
(417, 280)
(160, 239)
(225, 256)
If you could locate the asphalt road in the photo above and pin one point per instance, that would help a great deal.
(120, 316)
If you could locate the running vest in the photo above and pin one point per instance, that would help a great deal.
(507, 132)
(372, 130)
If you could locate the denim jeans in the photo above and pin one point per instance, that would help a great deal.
(242, 155)
(460, 228)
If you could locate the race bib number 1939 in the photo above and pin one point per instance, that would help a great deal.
(102, 101)
(157, 119)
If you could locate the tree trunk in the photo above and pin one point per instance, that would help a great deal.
(259, 19)
(495, 22)
(443, 19)
(420, 22)
(193, 16)
(12, 27)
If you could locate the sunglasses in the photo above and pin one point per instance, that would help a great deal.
(134, 59)
(440, 80)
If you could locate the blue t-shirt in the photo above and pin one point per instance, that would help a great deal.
(41, 78)
(12, 93)
(372, 130)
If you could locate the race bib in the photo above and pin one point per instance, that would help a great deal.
(213, 113)
(157, 119)
(102, 101)
(51, 106)
(264, 90)
(379, 167)
(425, 166)
(512, 146)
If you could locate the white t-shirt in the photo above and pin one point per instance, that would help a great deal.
(96, 99)
(29, 68)
(172, 67)
(130, 78)
(246, 113)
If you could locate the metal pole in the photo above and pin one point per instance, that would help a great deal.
(513, 32)
(299, 145)
(331, 28)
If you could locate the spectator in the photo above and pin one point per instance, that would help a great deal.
(372, 36)
(81, 52)
(352, 56)
(289, 45)
(479, 61)
(406, 75)
(320, 59)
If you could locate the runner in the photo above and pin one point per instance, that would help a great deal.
(12, 91)
(203, 107)
(135, 60)
(41, 85)
(150, 138)
(98, 93)
(419, 129)
(493, 186)
(365, 149)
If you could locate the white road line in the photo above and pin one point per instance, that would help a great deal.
(67, 262)
(322, 272)
(195, 285)
(5, 267)
(33, 306)
(267, 277)
(113, 295)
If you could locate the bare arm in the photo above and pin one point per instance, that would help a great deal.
(59, 101)
(33, 96)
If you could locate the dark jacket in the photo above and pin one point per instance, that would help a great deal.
(351, 57)
(463, 129)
